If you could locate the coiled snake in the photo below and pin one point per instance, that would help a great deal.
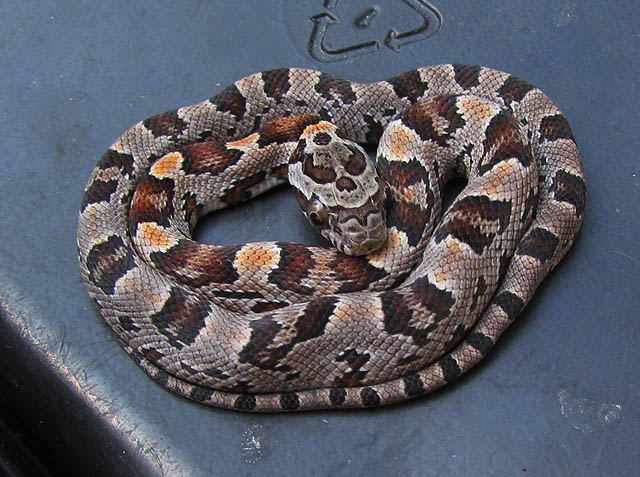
(279, 326)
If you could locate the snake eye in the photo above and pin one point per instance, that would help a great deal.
(317, 213)
(315, 218)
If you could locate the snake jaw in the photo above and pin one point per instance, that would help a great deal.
(364, 242)
(361, 230)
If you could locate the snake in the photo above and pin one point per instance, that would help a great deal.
(403, 298)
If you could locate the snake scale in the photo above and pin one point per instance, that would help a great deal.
(418, 297)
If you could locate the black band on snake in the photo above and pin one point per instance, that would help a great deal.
(406, 299)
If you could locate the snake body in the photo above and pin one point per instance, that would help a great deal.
(275, 326)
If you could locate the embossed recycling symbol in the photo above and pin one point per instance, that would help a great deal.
(325, 22)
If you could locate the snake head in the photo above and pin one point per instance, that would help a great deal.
(339, 190)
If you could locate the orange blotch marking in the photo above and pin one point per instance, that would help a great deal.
(322, 126)
(500, 174)
(154, 235)
(350, 311)
(470, 106)
(345, 311)
(256, 257)
(245, 142)
(454, 248)
(167, 166)
(400, 142)
(441, 277)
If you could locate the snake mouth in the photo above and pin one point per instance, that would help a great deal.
(363, 232)
(365, 241)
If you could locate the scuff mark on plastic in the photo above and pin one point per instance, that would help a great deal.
(563, 17)
(253, 444)
(587, 415)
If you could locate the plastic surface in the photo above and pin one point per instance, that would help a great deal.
(557, 396)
